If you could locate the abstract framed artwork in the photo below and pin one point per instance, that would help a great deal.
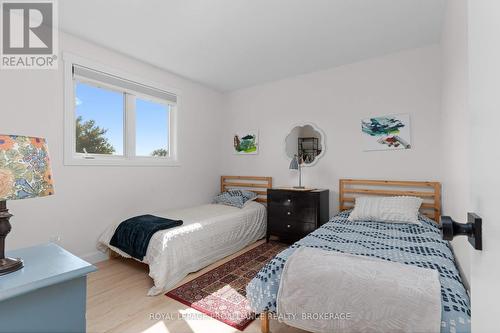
(390, 132)
(246, 142)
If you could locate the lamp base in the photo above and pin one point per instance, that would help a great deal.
(9, 265)
(299, 187)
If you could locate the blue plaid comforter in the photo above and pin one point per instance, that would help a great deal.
(411, 244)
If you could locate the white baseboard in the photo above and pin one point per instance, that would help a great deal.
(94, 257)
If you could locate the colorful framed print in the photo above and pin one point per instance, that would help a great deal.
(391, 132)
(246, 142)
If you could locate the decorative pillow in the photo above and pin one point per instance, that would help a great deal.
(386, 209)
(235, 198)
(248, 195)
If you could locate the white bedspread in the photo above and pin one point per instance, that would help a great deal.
(324, 291)
(209, 233)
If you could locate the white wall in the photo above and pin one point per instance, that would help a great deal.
(336, 100)
(89, 198)
(455, 122)
(484, 85)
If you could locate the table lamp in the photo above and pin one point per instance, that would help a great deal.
(24, 173)
(295, 165)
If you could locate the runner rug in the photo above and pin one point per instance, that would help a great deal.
(220, 293)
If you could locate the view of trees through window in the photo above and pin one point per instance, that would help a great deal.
(90, 138)
(160, 152)
(100, 123)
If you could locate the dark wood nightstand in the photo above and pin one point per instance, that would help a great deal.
(291, 215)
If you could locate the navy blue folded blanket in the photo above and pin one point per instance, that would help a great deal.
(133, 235)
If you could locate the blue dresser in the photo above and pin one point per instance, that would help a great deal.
(48, 295)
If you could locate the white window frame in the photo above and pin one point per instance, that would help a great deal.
(71, 157)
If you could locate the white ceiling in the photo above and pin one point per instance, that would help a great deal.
(231, 44)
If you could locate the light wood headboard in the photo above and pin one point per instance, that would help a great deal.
(429, 191)
(255, 184)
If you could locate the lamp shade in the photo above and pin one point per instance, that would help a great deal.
(24, 168)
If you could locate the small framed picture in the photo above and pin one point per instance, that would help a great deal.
(246, 142)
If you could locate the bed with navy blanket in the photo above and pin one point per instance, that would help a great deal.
(133, 235)
(411, 244)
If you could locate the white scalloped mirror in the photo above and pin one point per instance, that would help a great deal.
(305, 140)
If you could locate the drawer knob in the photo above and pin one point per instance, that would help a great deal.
(288, 213)
(288, 226)
(289, 200)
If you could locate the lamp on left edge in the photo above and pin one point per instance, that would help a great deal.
(24, 173)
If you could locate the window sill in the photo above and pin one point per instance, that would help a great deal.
(122, 161)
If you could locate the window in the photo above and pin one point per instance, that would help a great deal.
(99, 120)
(114, 120)
(152, 122)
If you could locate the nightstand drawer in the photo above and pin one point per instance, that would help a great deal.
(289, 199)
(306, 214)
(298, 210)
(291, 226)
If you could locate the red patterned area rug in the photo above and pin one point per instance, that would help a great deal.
(220, 293)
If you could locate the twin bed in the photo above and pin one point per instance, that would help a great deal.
(211, 232)
(419, 245)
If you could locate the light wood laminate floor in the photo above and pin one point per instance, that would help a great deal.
(117, 302)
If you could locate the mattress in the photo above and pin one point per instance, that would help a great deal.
(412, 244)
(209, 233)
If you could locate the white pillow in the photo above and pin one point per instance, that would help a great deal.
(386, 209)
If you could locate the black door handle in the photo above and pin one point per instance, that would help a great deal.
(472, 229)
